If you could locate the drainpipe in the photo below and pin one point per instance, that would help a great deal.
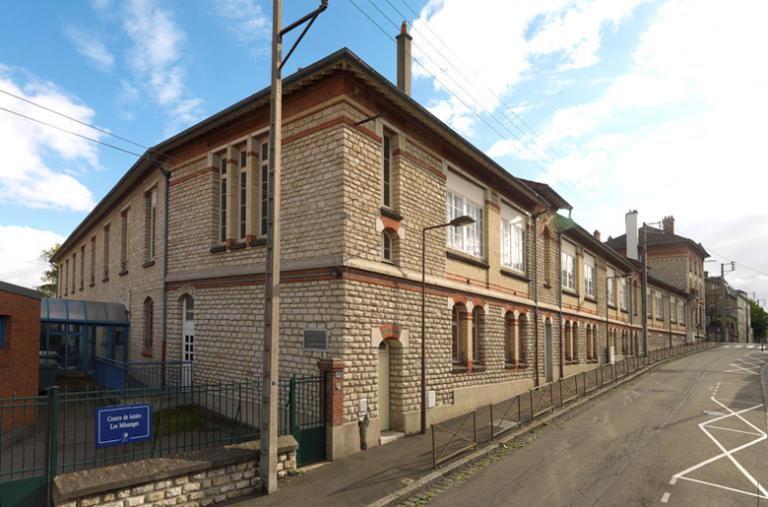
(166, 186)
(536, 297)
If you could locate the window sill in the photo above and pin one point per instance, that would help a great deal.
(591, 299)
(105, 279)
(478, 368)
(547, 285)
(575, 361)
(624, 311)
(238, 246)
(390, 213)
(258, 242)
(591, 361)
(123, 273)
(514, 274)
(466, 258)
(146, 353)
(92, 284)
(570, 292)
(218, 249)
(148, 263)
(518, 366)
(611, 306)
(459, 368)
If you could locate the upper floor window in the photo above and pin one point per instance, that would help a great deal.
(148, 327)
(610, 283)
(74, 272)
(673, 310)
(387, 170)
(590, 276)
(469, 238)
(648, 301)
(223, 181)
(243, 194)
(264, 174)
(624, 294)
(513, 227)
(547, 257)
(124, 241)
(93, 261)
(659, 305)
(150, 224)
(66, 277)
(3, 331)
(82, 267)
(568, 266)
(106, 253)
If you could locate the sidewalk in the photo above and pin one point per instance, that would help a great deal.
(366, 476)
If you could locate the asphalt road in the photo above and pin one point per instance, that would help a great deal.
(690, 432)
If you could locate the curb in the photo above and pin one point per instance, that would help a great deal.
(434, 476)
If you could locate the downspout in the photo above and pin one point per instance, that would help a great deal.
(560, 299)
(536, 300)
(167, 178)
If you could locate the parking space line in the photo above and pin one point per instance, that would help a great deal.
(665, 498)
(731, 429)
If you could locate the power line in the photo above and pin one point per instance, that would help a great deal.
(738, 263)
(62, 129)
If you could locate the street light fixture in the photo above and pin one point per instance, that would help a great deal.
(456, 222)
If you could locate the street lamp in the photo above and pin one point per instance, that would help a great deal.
(456, 222)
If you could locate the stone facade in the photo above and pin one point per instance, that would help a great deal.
(335, 277)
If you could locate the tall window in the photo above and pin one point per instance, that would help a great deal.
(264, 187)
(457, 333)
(74, 272)
(124, 242)
(649, 302)
(659, 305)
(590, 350)
(624, 294)
(387, 173)
(590, 276)
(673, 310)
(66, 277)
(469, 238)
(611, 283)
(106, 253)
(522, 338)
(575, 342)
(223, 179)
(93, 261)
(3, 331)
(82, 267)
(478, 332)
(510, 342)
(387, 245)
(148, 326)
(568, 341)
(513, 226)
(568, 266)
(243, 186)
(547, 257)
(150, 224)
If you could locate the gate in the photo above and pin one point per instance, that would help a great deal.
(308, 417)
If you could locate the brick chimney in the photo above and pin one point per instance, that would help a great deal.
(404, 59)
(596, 234)
(668, 223)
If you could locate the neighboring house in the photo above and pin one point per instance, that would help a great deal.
(722, 298)
(677, 260)
(19, 345)
(365, 169)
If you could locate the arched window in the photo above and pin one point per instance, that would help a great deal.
(148, 327)
(510, 342)
(568, 341)
(522, 338)
(458, 330)
(478, 335)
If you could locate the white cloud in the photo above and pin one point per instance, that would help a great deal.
(26, 175)
(20, 249)
(495, 53)
(245, 19)
(156, 59)
(91, 48)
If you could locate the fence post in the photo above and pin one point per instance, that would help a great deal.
(51, 440)
(434, 455)
(292, 400)
(490, 409)
(530, 396)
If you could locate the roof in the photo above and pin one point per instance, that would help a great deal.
(19, 290)
(71, 310)
(341, 59)
(657, 237)
(546, 191)
(667, 286)
(584, 236)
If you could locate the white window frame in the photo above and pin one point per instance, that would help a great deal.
(469, 238)
(590, 276)
(222, 162)
(610, 275)
(624, 295)
(386, 169)
(568, 266)
(263, 186)
(242, 186)
(659, 305)
(513, 241)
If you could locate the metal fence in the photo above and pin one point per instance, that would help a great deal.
(119, 375)
(525, 408)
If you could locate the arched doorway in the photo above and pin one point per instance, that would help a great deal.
(384, 391)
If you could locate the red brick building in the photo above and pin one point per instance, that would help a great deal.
(19, 340)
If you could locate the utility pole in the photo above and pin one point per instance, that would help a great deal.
(269, 445)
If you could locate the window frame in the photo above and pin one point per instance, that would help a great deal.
(4, 331)
(468, 239)
(148, 338)
(386, 177)
(590, 276)
(242, 194)
(107, 228)
(514, 239)
(124, 224)
(223, 195)
(610, 277)
(623, 294)
(264, 187)
(659, 305)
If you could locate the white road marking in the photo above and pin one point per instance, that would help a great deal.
(728, 453)
(665, 498)
(731, 429)
(673, 480)
(746, 365)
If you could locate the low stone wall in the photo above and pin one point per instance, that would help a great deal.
(195, 479)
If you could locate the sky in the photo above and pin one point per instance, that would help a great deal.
(654, 105)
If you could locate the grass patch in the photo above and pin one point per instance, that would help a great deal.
(193, 418)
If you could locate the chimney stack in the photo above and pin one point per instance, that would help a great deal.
(596, 234)
(631, 222)
(668, 223)
(404, 59)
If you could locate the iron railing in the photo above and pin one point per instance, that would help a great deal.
(118, 375)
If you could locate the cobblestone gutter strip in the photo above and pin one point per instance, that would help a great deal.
(496, 450)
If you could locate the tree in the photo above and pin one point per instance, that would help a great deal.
(759, 320)
(51, 276)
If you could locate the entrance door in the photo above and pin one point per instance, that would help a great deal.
(548, 351)
(187, 340)
(384, 386)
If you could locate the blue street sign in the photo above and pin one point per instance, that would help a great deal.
(123, 424)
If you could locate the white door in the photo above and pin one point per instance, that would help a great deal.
(187, 340)
(384, 386)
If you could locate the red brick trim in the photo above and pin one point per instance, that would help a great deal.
(390, 223)
(390, 331)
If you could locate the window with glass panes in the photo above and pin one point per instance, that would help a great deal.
(387, 170)
(243, 187)
(568, 266)
(659, 305)
(611, 284)
(513, 227)
(624, 294)
(590, 276)
(264, 175)
(469, 238)
(223, 196)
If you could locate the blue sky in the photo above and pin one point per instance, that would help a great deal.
(654, 105)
